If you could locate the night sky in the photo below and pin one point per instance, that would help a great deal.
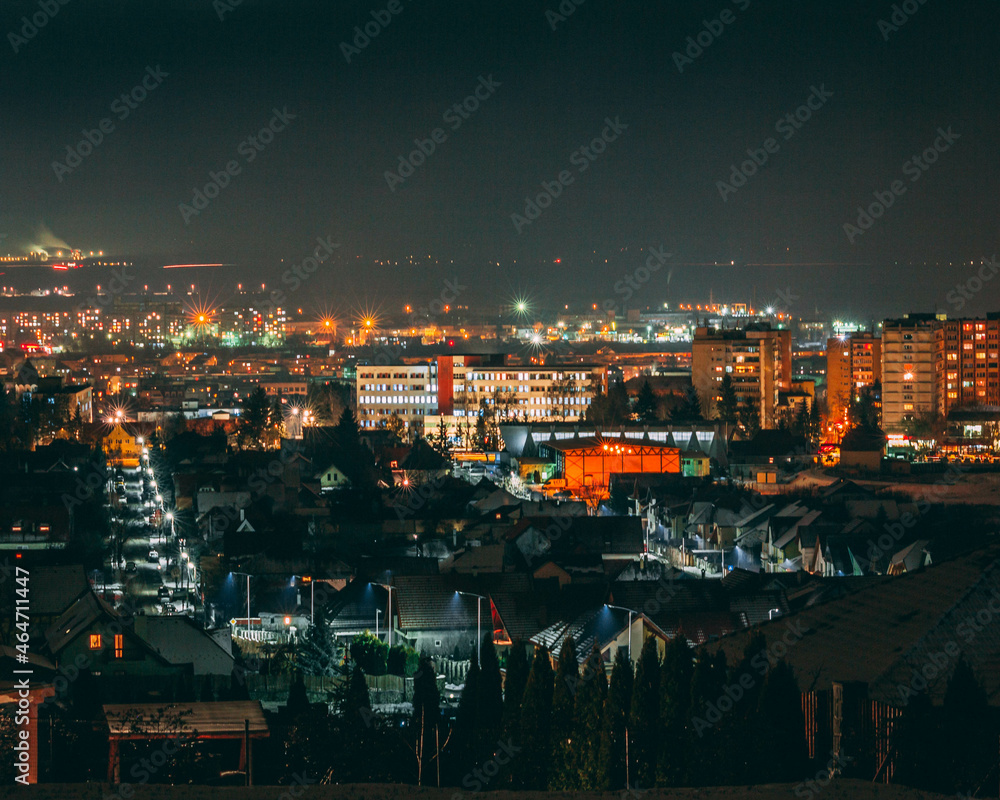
(655, 185)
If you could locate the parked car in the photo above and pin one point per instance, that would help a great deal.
(130, 567)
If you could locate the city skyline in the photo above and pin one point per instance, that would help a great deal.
(767, 178)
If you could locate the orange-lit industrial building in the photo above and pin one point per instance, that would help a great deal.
(587, 464)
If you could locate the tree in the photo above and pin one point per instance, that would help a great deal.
(614, 734)
(536, 721)
(588, 717)
(750, 416)
(401, 660)
(728, 404)
(967, 747)
(513, 693)
(491, 695)
(743, 729)
(254, 419)
(440, 441)
(426, 716)
(356, 700)
(864, 409)
(783, 749)
(346, 433)
(563, 774)
(370, 653)
(916, 740)
(619, 500)
(298, 700)
(315, 653)
(646, 404)
(644, 717)
(467, 719)
(708, 682)
(676, 670)
(396, 429)
(611, 408)
(690, 408)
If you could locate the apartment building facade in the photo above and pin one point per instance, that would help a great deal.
(757, 358)
(909, 370)
(966, 363)
(408, 390)
(458, 387)
(853, 362)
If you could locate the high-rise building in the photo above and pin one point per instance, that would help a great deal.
(909, 379)
(757, 357)
(967, 363)
(853, 362)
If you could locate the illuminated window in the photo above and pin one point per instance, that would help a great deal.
(95, 641)
(119, 645)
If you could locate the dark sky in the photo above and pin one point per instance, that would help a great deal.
(655, 185)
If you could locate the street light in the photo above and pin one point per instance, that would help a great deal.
(312, 595)
(388, 614)
(479, 622)
(630, 613)
(248, 598)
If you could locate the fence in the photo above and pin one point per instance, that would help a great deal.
(275, 688)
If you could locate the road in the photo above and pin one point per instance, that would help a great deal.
(154, 558)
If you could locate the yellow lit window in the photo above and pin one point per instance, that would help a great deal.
(119, 645)
(95, 641)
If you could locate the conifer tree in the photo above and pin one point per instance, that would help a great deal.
(916, 740)
(588, 718)
(467, 720)
(536, 724)
(513, 693)
(676, 671)
(728, 404)
(615, 723)
(426, 717)
(785, 755)
(646, 404)
(707, 684)
(315, 653)
(298, 701)
(743, 726)
(563, 774)
(491, 693)
(968, 733)
(644, 717)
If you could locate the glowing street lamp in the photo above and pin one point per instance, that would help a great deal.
(630, 613)
(388, 616)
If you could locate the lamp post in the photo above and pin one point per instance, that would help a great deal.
(630, 613)
(248, 599)
(479, 622)
(388, 614)
(312, 596)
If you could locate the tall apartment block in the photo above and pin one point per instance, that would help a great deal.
(757, 357)
(853, 361)
(909, 372)
(967, 363)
